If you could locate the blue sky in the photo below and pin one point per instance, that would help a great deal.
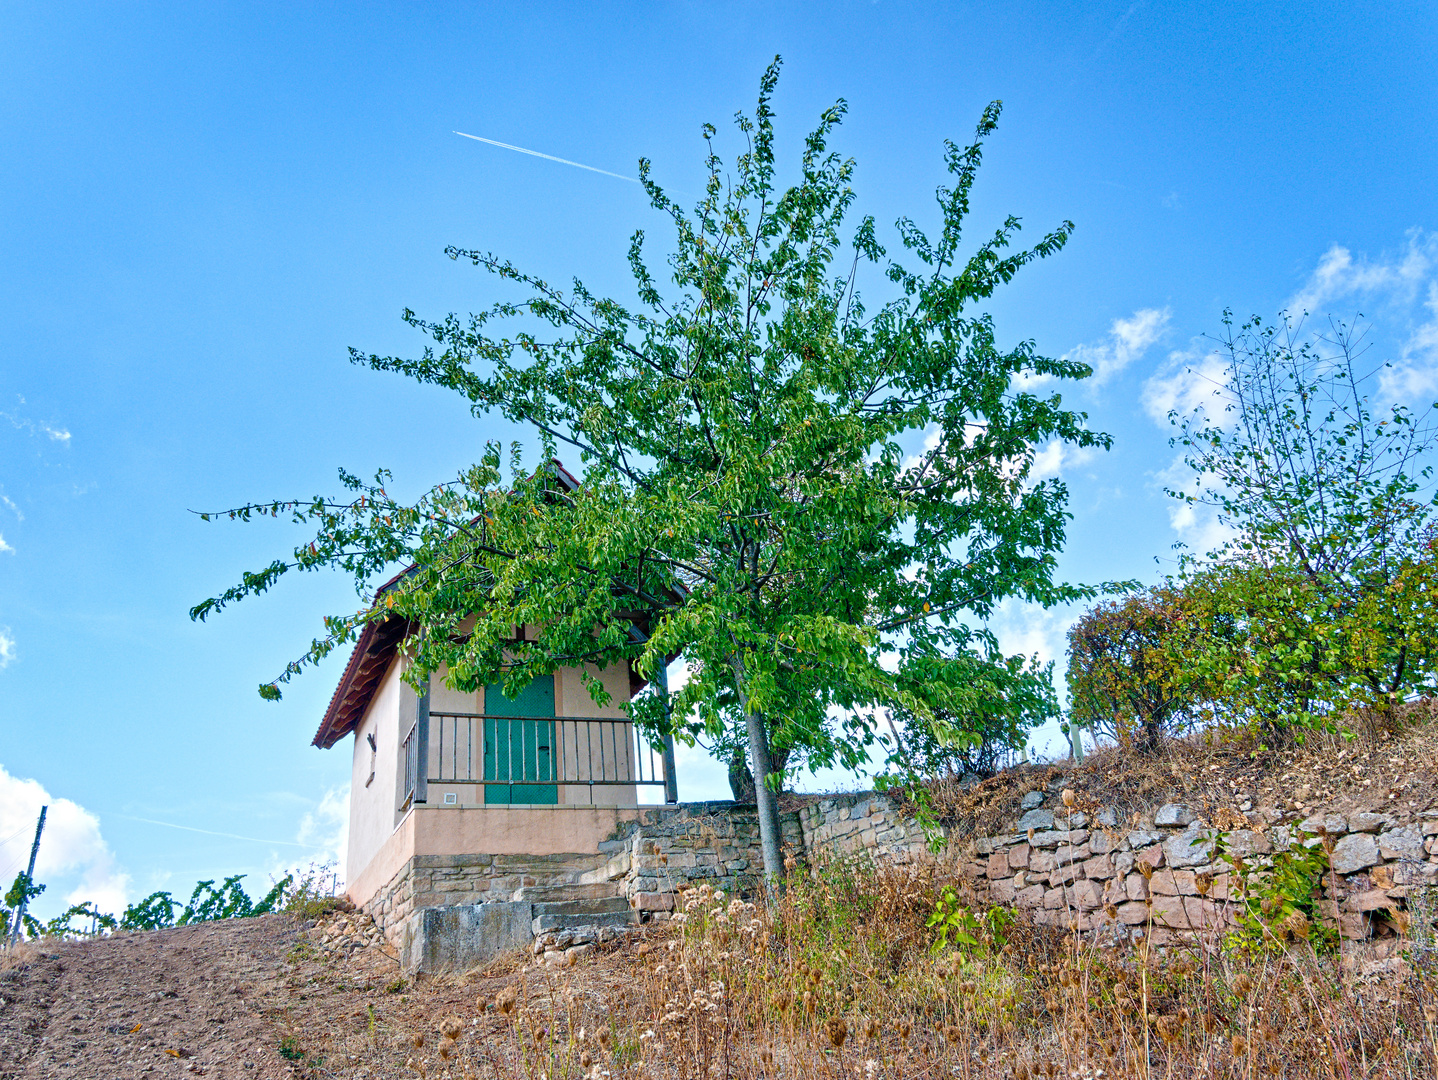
(203, 206)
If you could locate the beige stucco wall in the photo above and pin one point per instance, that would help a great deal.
(372, 802)
(572, 698)
(375, 823)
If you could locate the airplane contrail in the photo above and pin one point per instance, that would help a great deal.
(547, 157)
(209, 832)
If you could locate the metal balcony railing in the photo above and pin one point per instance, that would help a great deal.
(535, 753)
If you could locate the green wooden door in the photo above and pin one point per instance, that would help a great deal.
(519, 745)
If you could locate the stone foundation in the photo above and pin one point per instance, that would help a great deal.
(1157, 876)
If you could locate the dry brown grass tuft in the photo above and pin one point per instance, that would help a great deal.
(1388, 766)
(841, 980)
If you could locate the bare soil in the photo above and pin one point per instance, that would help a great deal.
(256, 999)
(192, 1000)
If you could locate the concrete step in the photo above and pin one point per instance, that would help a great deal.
(581, 910)
(545, 923)
(550, 894)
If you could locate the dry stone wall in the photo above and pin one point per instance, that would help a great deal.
(1160, 876)
(1156, 876)
(718, 843)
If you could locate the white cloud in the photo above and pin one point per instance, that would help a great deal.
(1031, 630)
(1126, 341)
(22, 423)
(9, 505)
(1396, 277)
(7, 647)
(75, 862)
(1415, 375)
(4, 547)
(1188, 380)
(1404, 286)
(1053, 459)
(326, 828)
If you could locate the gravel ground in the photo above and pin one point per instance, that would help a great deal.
(261, 998)
(195, 1000)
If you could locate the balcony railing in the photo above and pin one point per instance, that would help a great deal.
(535, 755)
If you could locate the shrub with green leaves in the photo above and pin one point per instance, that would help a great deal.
(1279, 896)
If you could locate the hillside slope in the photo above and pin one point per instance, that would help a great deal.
(187, 1001)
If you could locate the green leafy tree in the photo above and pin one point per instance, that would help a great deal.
(22, 890)
(154, 912)
(996, 701)
(1130, 674)
(229, 901)
(1325, 594)
(747, 497)
(92, 922)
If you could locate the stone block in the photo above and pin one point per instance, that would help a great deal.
(1032, 800)
(1354, 852)
(1002, 891)
(1107, 818)
(1036, 819)
(1068, 853)
(1151, 855)
(1354, 926)
(1062, 875)
(653, 901)
(1041, 862)
(1137, 886)
(1192, 847)
(1401, 843)
(998, 866)
(1430, 827)
(1054, 898)
(1087, 895)
(1170, 911)
(1031, 896)
(1123, 862)
(1101, 843)
(1099, 868)
(1243, 843)
(463, 936)
(1415, 873)
(1059, 838)
(1174, 815)
(1134, 913)
(1372, 900)
(1142, 838)
(1173, 883)
(1281, 837)
(1114, 891)
(1370, 823)
(1332, 824)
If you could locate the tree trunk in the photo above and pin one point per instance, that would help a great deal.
(741, 780)
(765, 797)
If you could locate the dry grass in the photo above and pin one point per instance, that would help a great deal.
(1387, 765)
(842, 981)
(19, 955)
